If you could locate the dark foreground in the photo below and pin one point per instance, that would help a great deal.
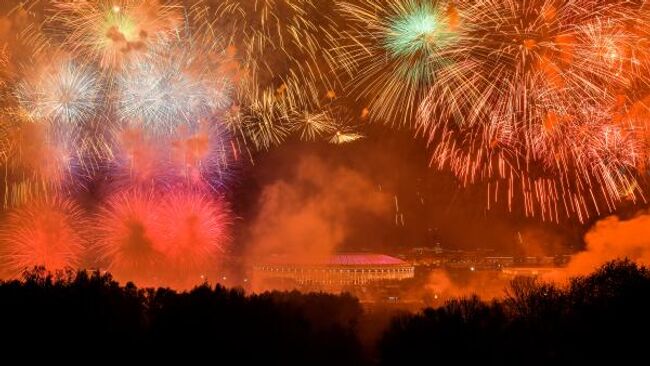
(89, 317)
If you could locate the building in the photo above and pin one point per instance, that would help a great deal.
(343, 269)
(513, 272)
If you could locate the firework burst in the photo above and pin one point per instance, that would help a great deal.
(264, 121)
(394, 51)
(113, 32)
(287, 72)
(46, 233)
(195, 233)
(312, 126)
(173, 86)
(129, 237)
(524, 77)
(61, 92)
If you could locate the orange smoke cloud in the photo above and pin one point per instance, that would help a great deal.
(608, 239)
(441, 285)
(140, 153)
(308, 217)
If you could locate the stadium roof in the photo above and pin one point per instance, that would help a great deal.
(341, 259)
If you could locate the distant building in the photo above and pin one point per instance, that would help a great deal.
(510, 273)
(479, 259)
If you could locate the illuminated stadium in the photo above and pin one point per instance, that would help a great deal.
(343, 269)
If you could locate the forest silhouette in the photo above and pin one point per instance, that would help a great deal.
(89, 317)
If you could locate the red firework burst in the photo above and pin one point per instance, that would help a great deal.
(43, 233)
(172, 240)
(128, 237)
(195, 228)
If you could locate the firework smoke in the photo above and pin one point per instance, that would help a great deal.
(611, 238)
(307, 218)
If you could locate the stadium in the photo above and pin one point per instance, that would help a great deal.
(342, 269)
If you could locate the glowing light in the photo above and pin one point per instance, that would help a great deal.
(342, 137)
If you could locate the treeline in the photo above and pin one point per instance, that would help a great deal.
(84, 316)
(79, 316)
(597, 319)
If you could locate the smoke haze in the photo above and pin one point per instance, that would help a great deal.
(612, 238)
(308, 216)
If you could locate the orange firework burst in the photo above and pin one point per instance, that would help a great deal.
(113, 32)
(525, 103)
(46, 233)
(288, 77)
